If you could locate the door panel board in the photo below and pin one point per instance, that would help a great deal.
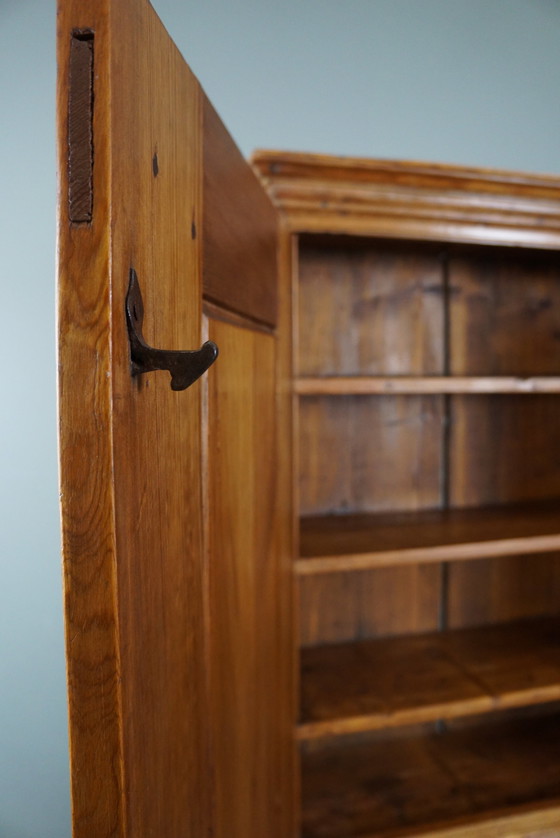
(136, 469)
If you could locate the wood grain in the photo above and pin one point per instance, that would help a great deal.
(504, 449)
(249, 507)
(145, 753)
(239, 229)
(396, 464)
(525, 822)
(491, 590)
(412, 201)
(380, 312)
(247, 698)
(354, 542)
(504, 314)
(87, 499)
(343, 607)
(402, 350)
(429, 783)
(379, 684)
(356, 385)
(155, 107)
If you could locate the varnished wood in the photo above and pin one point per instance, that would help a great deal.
(343, 607)
(395, 465)
(147, 475)
(504, 449)
(250, 618)
(525, 822)
(90, 577)
(381, 309)
(416, 385)
(379, 684)
(504, 313)
(491, 590)
(414, 201)
(130, 449)
(426, 373)
(354, 542)
(490, 773)
(239, 229)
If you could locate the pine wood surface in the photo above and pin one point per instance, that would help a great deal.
(130, 450)
(343, 607)
(504, 314)
(494, 590)
(381, 310)
(250, 682)
(353, 542)
(415, 201)
(415, 385)
(88, 550)
(402, 350)
(503, 450)
(436, 784)
(379, 684)
(239, 229)
(136, 463)
(526, 822)
(396, 464)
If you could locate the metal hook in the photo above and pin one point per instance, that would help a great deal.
(185, 366)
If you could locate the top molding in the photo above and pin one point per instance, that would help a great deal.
(397, 199)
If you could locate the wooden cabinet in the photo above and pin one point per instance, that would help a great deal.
(421, 305)
(176, 516)
(402, 394)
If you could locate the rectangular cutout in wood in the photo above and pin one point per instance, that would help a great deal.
(80, 128)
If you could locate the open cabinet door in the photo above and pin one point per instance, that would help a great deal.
(175, 503)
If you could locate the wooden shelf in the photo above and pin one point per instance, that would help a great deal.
(482, 780)
(377, 684)
(424, 385)
(337, 543)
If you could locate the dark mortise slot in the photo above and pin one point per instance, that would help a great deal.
(80, 128)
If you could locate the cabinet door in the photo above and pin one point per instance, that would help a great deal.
(175, 517)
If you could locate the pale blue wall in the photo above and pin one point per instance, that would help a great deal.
(467, 81)
(461, 81)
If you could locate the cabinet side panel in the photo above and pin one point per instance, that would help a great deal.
(250, 608)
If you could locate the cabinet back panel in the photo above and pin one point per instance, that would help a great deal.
(503, 449)
(497, 590)
(370, 310)
(504, 315)
(370, 453)
(341, 607)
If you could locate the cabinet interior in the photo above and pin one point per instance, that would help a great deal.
(428, 478)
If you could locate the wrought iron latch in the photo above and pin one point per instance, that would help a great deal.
(185, 366)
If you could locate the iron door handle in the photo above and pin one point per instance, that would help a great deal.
(185, 366)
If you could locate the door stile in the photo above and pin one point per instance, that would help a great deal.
(131, 461)
(85, 434)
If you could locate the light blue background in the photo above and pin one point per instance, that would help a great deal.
(466, 81)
